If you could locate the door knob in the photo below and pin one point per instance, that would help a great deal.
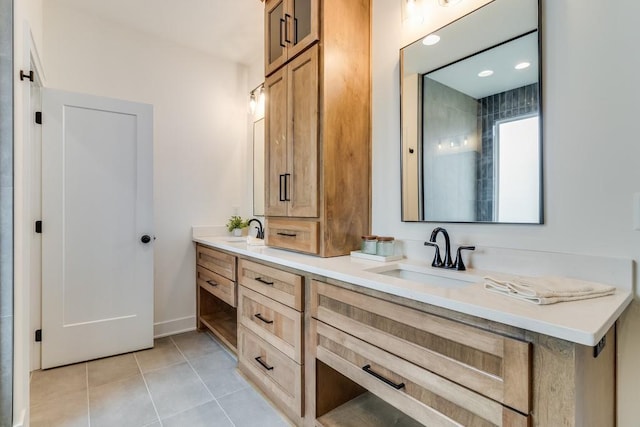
(145, 239)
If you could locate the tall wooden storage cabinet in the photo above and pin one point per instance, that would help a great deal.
(318, 143)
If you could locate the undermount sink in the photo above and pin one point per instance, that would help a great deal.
(430, 276)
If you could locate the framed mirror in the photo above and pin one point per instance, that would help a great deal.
(258, 167)
(471, 119)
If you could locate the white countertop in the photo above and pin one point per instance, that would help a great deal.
(583, 322)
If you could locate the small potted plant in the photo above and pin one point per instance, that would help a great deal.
(236, 224)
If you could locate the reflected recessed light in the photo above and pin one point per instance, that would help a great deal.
(522, 65)
(431, 39)
(485, 73)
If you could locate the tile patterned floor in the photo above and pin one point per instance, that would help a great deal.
(185, 380)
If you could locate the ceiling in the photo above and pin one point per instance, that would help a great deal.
(230, 29)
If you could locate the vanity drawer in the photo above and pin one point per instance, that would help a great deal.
(217, 285)
(419, 393)
(277, 324)
(279, 285)
(292, 234)
(216, 261)
(277, 374)
(490, 364)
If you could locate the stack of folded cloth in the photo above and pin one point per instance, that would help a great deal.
(547, 289)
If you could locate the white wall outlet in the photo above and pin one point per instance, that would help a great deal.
(636, 211)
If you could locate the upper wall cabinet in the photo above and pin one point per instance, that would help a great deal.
(317, 129)
(290, 26)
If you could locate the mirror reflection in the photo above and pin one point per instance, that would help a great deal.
(471, 140)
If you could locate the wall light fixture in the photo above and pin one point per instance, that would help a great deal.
(412, 11)
(257, 100)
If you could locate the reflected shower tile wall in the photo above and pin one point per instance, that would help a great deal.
(506, 105)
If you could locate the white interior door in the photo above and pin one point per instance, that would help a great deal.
(97, 204)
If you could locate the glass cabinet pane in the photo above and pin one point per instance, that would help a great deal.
(276, 32)
(301, 19)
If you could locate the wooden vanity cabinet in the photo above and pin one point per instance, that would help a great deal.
(392, 361)
(438, 371)
(290, 27)
(216, 293)
(270, 334)
(317, 136)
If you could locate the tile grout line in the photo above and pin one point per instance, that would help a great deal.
(202, 382)
(148, 391)
(86, 376)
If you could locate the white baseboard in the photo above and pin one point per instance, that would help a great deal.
(174, 326)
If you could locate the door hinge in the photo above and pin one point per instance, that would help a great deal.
(38, 226)
(39, 117)
(39, 335)
(28, 76)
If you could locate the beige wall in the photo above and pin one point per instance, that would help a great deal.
(591, 158)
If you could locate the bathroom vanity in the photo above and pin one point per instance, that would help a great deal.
(339, 342)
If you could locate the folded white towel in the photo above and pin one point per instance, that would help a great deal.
(547, 289)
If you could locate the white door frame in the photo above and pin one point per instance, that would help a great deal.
(25, 358)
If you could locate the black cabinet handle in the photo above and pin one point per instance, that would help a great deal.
(261, 280)
(259, 316)
(287, 180)
(295, 30)
(286, 27)
(368, 370)
(282, 183)
(282, 24)
(212, 283)
(287, 234)
(264, 365)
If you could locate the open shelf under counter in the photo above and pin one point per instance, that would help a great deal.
(220, 318)
(366, 410)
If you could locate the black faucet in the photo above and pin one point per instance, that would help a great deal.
(260, 233)
(437, 260)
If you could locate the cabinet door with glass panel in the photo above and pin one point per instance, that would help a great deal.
(290, 27)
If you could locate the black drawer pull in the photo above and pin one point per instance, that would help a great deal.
(212, 283)
(259, 316)
(264, 365)
(367, 369)
(287, 234)
(261, 280)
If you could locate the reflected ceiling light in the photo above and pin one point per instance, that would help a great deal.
(431, 39)
(522, 65)
(485, 73)
(447, 3)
